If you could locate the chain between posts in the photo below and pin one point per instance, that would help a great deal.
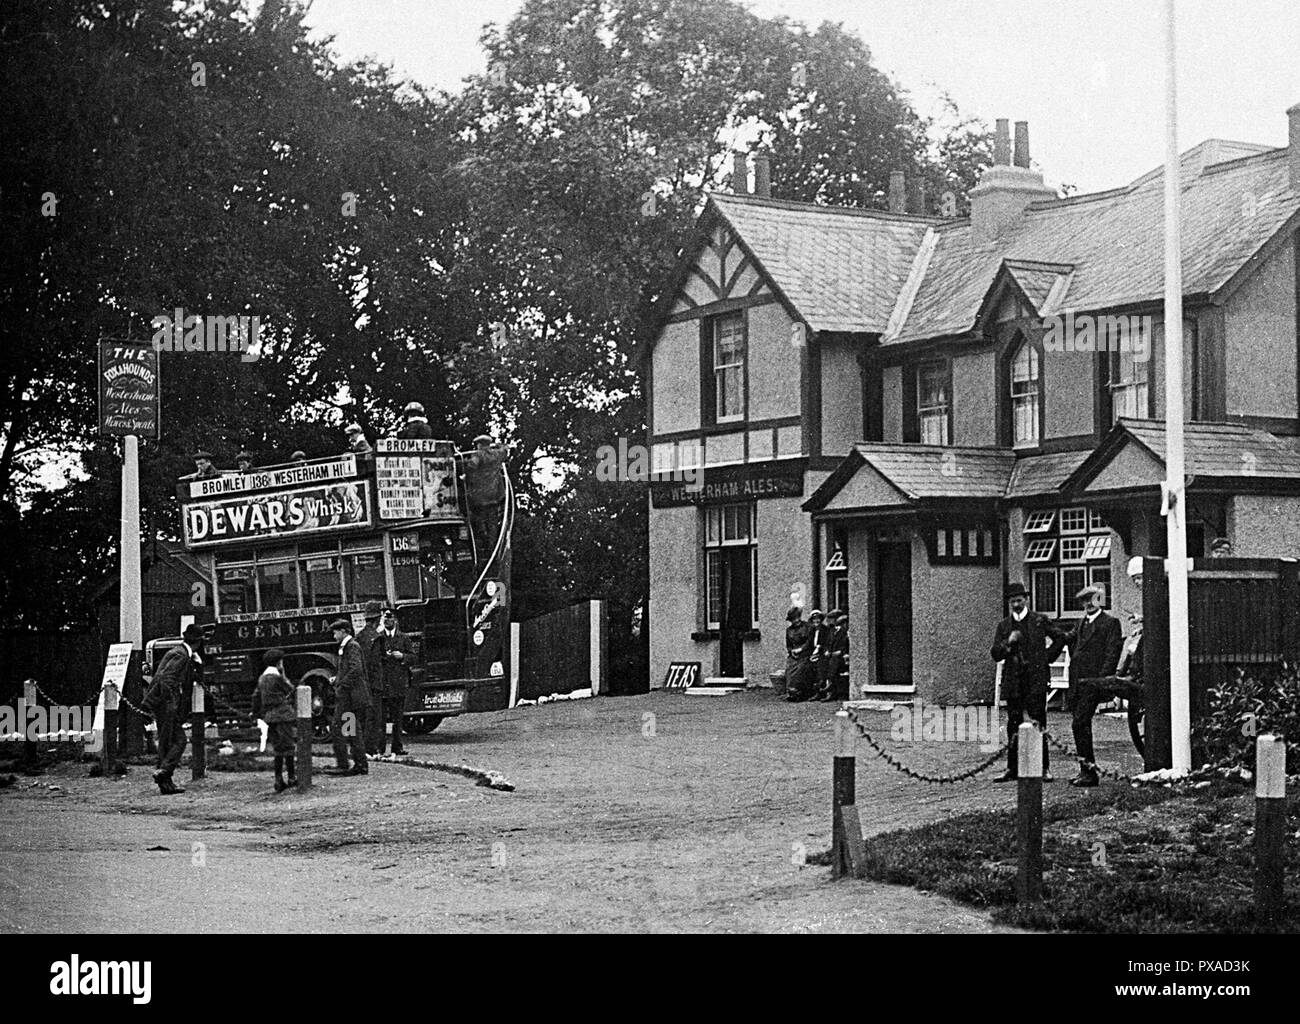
(1062, 748)
(911, 773)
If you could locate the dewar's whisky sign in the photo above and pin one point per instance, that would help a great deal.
(280, 514)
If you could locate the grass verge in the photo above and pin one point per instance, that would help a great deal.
(1115, 859)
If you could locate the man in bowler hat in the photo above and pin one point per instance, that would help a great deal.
(1026, 643)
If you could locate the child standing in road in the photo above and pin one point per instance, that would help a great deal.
(273, 703)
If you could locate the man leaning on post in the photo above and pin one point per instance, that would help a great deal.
(1026, 644)
(351, 704)
(1095, 646)
(168, 701)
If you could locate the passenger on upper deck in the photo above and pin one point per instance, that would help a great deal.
(357, 440)
(203, 467)
(244, 461)
(416, 425)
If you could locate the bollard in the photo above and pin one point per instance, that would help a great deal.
(108, 742)
(1270, 830)
(848, 854)
(198, 742)
(31, 760)
(1029, 814)
(302, 763)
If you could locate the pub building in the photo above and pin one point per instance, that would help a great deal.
(898, 414)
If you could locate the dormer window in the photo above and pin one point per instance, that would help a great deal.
(1026, 396)
(729, 367)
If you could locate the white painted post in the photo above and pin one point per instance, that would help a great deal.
(1180, 706)
(597, 648)
(514, 664)
(1029, 813)
(302, 763)
(1270, 831)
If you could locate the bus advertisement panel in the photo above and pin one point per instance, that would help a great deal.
(288, 513)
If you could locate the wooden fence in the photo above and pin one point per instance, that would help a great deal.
(561, 651)
(1242, 612)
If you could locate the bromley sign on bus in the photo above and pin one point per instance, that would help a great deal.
(285, 513)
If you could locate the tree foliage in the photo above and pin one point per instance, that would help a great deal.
(499, 254)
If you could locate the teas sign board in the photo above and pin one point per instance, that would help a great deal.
(682, 675)
(129, 395)
(302, 510)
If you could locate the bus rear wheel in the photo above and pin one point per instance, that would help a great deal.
(421, 726)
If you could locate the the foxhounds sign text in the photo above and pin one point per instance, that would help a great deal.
(284, 513)
(128, 389)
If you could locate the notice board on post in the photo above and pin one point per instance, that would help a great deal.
(415, 478)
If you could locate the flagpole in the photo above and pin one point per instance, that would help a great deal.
(1175, 500)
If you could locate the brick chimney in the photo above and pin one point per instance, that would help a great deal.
(1293, 147)
(897, 192)
(917, 192)
(762, 175)
(739, 174)
(999, 200)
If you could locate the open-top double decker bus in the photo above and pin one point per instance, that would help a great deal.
(290, 548)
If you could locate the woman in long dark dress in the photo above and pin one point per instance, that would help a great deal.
(800, 680)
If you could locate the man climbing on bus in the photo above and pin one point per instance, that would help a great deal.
(485, 493)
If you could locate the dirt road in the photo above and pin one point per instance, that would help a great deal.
(656, 813)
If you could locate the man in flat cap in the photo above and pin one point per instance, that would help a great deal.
(485, 493)
(1026, 643)
(203, 467)
(244, 462)
(416, 425)
(351, 704)
(1095, 645)
(298, 456)
(357, 440)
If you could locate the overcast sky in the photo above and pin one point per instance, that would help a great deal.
(1087, 75)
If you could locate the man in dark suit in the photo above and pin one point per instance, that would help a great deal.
(397, 657)
(1026, 644)
(1094, 647)
(371, 646)
(351, 704)
(168, 701)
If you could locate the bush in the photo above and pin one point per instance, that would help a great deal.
(1250, 706)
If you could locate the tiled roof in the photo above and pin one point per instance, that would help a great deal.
(842, 269)
(929, 471)
(1222, 449)
(1042, 474)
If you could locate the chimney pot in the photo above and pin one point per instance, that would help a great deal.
(762, 175)
(1002, 143)
(1022, 144)
(1293, 147)
(897, 192)
(918, 196)
(739, 175)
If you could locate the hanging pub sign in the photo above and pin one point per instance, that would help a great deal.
(415, 478)
(129, 395)
(290, 513)
(750, 481)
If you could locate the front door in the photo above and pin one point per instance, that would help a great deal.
(737, 610)
(894, 612)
